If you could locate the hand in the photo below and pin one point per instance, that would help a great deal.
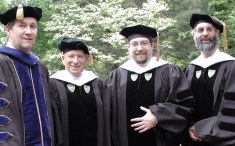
(193, 135)
(146, 122)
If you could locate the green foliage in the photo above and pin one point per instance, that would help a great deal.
(225, 11)
(179, 34)
(3, 7)
(98, 22)
(99, 25)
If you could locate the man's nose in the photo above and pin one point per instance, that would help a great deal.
(139, 47)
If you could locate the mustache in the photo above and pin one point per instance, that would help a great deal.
(212, 43)
(141, 52)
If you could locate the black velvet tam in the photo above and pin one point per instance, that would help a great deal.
(28, 11)
(68, 44)
(197, 18)
(139, 30)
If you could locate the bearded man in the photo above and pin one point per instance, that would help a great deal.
(213, 84)
(150, 99)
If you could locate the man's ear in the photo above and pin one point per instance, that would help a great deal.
(61, 56)
(7, 29)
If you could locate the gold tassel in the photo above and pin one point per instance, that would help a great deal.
(224, 33)
(20, 12)
(158, 47)
(225, 36)
(90, 59)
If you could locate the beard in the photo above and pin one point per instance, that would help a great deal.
(206, 47)
(142, 59)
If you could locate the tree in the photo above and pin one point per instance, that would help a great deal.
(181, 49)
(225, 11)
(98, 22)
(3, 7)
(99, 25)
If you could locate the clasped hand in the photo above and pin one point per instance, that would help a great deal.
(193, 135)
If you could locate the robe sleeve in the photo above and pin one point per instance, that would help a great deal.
(106, 108)
(56, 110)
(109, 109)
(219, 130)
(176, 101)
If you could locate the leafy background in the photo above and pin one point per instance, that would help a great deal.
(98, 22)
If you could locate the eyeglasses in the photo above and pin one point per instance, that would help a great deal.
(142, 44)
(201, 29)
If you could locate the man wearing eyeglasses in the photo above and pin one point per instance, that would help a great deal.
(213, 85)
(150, 99)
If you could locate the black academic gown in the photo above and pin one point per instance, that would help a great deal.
(163, 89)
(12, 104)
(214, 116)
(81, 111)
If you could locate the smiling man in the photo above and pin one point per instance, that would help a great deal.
(150, 100)
(213, 85)
(79, 94)
(25, 111)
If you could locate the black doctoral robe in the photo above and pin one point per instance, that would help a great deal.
(163, 89)
(80, 108)
(213, 84)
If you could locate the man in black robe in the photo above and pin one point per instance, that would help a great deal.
(25, 107)
(79, 97)
(213, 85)
(150, 100)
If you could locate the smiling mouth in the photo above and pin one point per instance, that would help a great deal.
(27, 39)
(205, 41)
(75, 67)
(140, 53)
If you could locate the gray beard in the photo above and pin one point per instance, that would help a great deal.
(206, 47)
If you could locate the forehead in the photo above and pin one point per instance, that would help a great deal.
(27, 20)
(75, 52)
(139, 39)
(204, 24)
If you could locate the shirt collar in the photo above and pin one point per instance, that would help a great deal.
(131, 65)
(215, 58)
(85, 77)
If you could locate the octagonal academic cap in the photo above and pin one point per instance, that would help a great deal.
(18, 13)
(67, 44)
(197, 18)
(147, 31)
